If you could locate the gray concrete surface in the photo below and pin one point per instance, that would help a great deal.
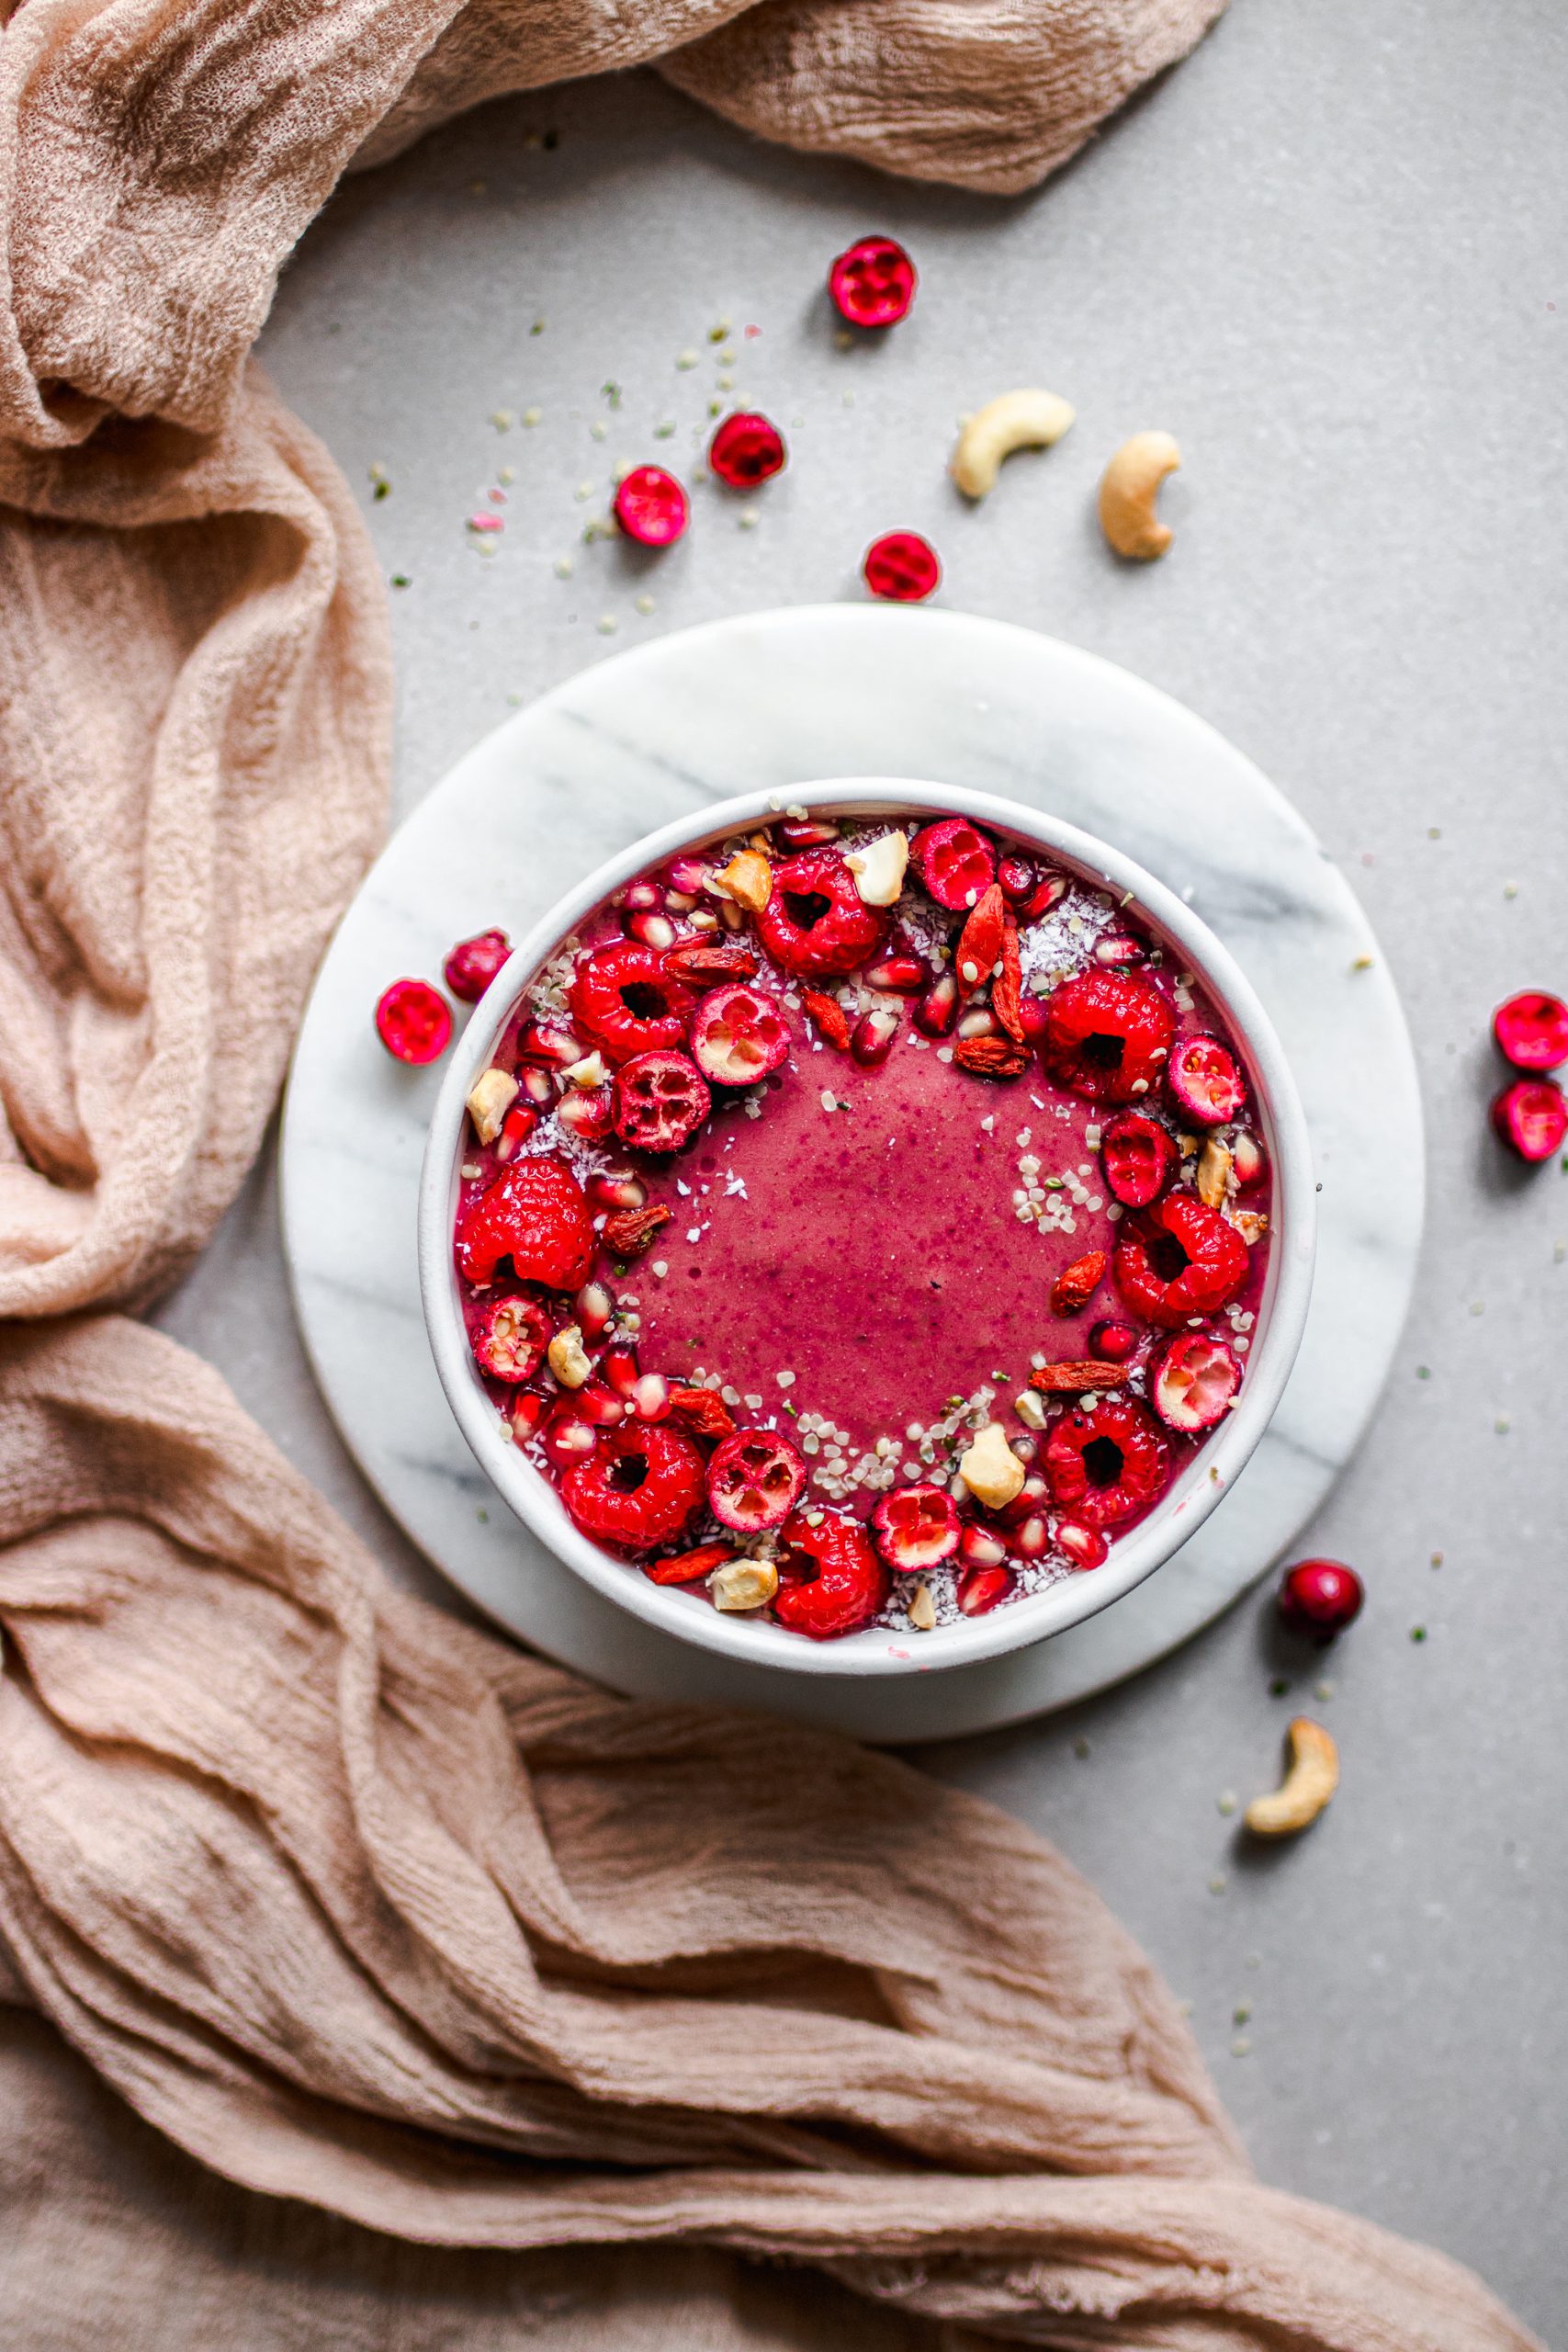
(1329, 253)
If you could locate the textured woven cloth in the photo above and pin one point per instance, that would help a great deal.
(398, 1934)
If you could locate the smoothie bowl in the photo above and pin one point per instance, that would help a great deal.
(866, 1234)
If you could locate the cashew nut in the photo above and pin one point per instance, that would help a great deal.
(743, 1584)
(920, 1610)
(493, 1097)
(878, 869)
(1214, 1173)
(568, 1361)
(748, 880)
(1313, 1777)
(990, 1469)
(1128, 489)
(1012, 421)
(590, 1071)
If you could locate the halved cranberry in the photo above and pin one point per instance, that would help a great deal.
(650, 506)
(955, 861)
(1138, 1158)
(1107, 1465)
(1107, 1035)
(755, 1480)
(413, 1022)
(745, 450)
(816, 923)
(510, 1337)
(1531, 1030)
(660, 1101)
(915, 1527)
(872, 282)
(1320, 1598)
(1183, 1259)
(1206, 1080)
(938, 1009)
(901, 568)
(1082, 1547)
(641, 1488)
(738, 1034)
(474, 963)
(831, 1578)
(1531, 1117)
(627, 997)
(534, 1214)
(980, 1589)
(1113, 1342)
(1194, 1381)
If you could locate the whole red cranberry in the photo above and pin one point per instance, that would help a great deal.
(902, 567)
(474, 963)
(1320, 1598)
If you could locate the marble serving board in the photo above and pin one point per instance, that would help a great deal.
(770, 701)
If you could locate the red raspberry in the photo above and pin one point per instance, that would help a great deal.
(1106, 1466)
(641, 1487)
(831, 1580)
(816, 923)
(955, 861)
(474, 963)
(755, 1480)
(627, 998)
(1183, 1259)
(1138, 1158)
(1107, 1035)
(660, 1101)
(413, 1022)
(534, 1214)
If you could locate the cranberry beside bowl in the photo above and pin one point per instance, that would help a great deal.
(866, 1234)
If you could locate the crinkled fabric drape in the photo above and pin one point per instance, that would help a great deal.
(355, 1905)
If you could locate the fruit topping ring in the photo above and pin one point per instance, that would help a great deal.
(790, 1205)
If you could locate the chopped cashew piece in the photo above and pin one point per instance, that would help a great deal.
(1029, 1409)
(1214, 1173)
(1251, 1224)
(567, 1362)
(743, 1584)
(1128, 489)
(489, 1104)
(921, 1611)
(1012, 421)
(748, 880)
(878, 869)
(990, 1469)
(1311, 1781)
(590, 1071)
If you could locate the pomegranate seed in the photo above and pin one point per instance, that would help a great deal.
(977, 1023)
(1052, 888)
(474, 963)
(1120, 948)
(413, 1022)
(650, 1398)
(1113, 1342)
(979, 1548)
(535, 1084)
(1017, 877)
(691, 878)
(1531, 1117)
(873, 283)
(1249, 1161)
(938, 1009)
(1085, 1547)
(515, 1129)
(1319, 1598)
(900, 975)
(547, 1041)
(901, 566)
(1032, 1497)
(651, 930)
(807, 832)
(620, 1370)
(981, 1588)
(527, 1412)
(871, 1040)
(590, 1113)
(1531, 1030)
(651, 507)
(1034, 1019)
(567, 1438)
(595, 1308)
(747, 450)
(643, 898)
(598, 1406)
(1032, 1541)
(615, 1188)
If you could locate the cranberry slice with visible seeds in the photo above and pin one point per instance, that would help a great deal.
(660, 1101)
(1107, 1035)
(474, 963)
(738, 1034)
(1319, 1598)
(651, 507)
(641, 1487)
(754, 1481)
(534, 1214)
(1195, 1382)
(1183, 1259)
(1138, 1158)
(627, 996)
(872, 282)
(955, 861)
(916, 1527)
(831, 1578)
(1531, 1117)
(509, 1337)
(1206, 1080)
(747, 449)
(413, 1022)
(815, 923)
(1107, 1465)
(1531, 1030)
(901, 568)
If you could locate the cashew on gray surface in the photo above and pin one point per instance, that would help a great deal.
(1311, 1781)
(1128, 490)
(1022, 420)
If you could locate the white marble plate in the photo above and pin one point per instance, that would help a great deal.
(763, 702)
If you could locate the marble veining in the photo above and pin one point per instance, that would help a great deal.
(770, 700)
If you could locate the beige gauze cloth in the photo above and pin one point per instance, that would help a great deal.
(356, 1905)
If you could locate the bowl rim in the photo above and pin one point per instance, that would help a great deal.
(1186, 1503)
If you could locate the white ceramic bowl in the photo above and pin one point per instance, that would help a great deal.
(1186, 1503)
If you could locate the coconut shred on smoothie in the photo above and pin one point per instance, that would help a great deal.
(861, 1222)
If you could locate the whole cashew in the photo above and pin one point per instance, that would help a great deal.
(1313, 1777)
(1012, 421)
(1128, 489)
